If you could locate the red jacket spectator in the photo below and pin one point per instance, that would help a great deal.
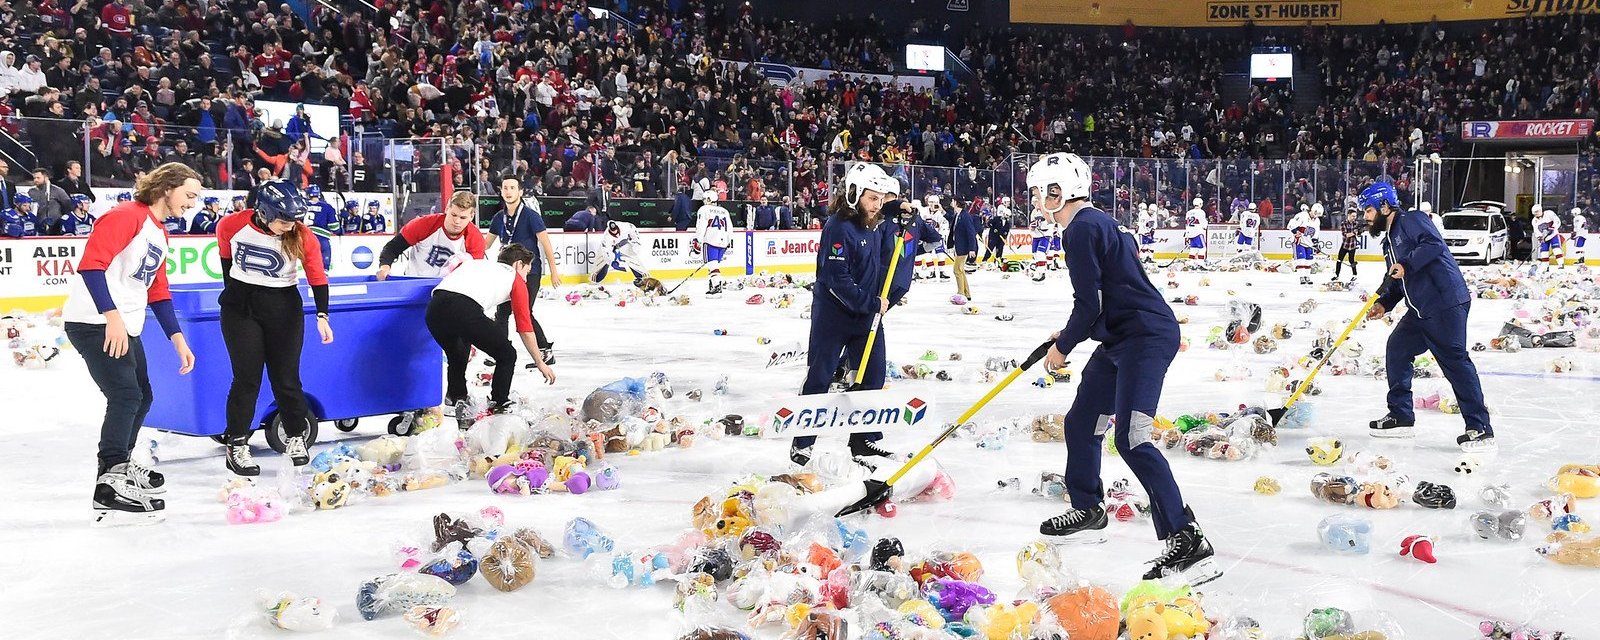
(117, 19)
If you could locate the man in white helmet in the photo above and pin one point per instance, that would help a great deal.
(853, 256)
(1114, 303)
(1580, 228)
(1547, 227)
(1438, 220)
(933, 260)
(1145, 227)
(1042, 229)
(1194, 230)
(1249, 228)
(713, 234)
(1304, 230)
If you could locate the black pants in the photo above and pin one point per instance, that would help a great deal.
(1343, 252)
(124, 381)
(265, 326)
(502, 316)
(834, 342)
(996, 249)
(458, 324)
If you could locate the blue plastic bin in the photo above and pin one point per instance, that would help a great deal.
(382, 359)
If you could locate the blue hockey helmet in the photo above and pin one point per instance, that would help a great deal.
(313, 191)
(239, 197)
(279, 200)
(372, 204)
(352, 205)
(79, 200)
(1377, 194)
(126, 196)
(211, 200)
(22, 198)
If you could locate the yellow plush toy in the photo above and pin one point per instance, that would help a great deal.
(734, 521)
(1580, 480)
(1324, 451)
(1151, 619)
(1145, 623)
(1003, 621)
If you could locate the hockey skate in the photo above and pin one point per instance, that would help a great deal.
(861, 450)
(295, 448)
(1078, 526)
(1187, 558)
(146, 479)
(464, 414)
(1390, 427)
(239, 460)
(1478, 442)
(119, 502)
(799, 455)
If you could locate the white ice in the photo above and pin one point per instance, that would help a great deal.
(195, 576)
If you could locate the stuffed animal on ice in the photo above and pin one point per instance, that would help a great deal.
(1580, 480)
(1345, 534)
(1569, 549)
(1148, 618)
(292, 613)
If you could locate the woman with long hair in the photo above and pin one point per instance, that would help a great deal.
(263, 251)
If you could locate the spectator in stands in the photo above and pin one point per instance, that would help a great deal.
(766, 215)
(72, 182)
(53, 202)
(149, 157)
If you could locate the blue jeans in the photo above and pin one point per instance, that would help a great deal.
(126, 384)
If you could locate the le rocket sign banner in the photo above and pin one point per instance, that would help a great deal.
(1498, 130)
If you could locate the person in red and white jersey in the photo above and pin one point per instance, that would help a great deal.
(123, 272)
(263, 251)
(458, 317)
(432, 240)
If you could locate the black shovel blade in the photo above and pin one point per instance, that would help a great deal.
(1276, 414)
(878, 492)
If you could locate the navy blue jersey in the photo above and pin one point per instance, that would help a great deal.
(1433, 281)
(1112, 297)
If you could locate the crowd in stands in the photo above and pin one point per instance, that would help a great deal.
(635, 103)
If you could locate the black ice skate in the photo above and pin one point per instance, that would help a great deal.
(118, 501)
(869, 449)
(146, 479)
(1434, 496)
(1078, 526)
(295, 448)
(1390, 427)
(464, 416)
(1188, 558)
(239, 460)
(503, 408)
(1476, 441)
(799, 455)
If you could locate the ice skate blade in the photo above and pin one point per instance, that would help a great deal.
(1197, 574)
(1090, 536)
(1484, 450)
(106, 518)
(1392, 432)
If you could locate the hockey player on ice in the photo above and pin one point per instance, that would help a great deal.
(1548, 226)
(936, 263)
(432, 240)
(713, 234)
(1042, 230)
(621, 239)
(1249, 228)
(1145, 227)
(204, 221)
(1580, 227)
(1438, 220)
(1114, 304)
(1194, 230)
(1304, 231)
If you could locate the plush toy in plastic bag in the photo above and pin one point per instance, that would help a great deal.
(610, 403)
(401, 591)
(292, 613)
(433, 450)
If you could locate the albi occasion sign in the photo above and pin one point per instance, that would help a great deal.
(1485, 130)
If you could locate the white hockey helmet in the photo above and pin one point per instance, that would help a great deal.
(1316, 208)
(1198, 202)
(709, 196)
(1577, 211)
(1426, 207)
(1304, 207)
(1065, 170)
(1536, 210)
(1251, 206)
(931, 199)
(865, 176)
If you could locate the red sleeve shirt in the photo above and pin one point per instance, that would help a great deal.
(258, 256)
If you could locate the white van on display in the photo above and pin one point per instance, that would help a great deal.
(1477, 231)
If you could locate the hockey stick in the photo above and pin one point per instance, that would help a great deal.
(1277, 414)
(686, 278)
(877, 319)
(879, 492)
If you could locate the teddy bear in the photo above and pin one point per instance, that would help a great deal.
(1049, 428)
(1377, 495)
(1335, 489)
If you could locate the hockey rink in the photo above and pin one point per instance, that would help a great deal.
(196, 576)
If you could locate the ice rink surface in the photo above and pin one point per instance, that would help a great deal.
(197, 576)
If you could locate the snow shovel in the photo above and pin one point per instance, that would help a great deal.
(879, 492)
(1277, 414)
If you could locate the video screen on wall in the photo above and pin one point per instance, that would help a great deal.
(1271, 66)
(324, 119)
(923, 57)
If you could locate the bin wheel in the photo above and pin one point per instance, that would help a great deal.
(402, 424)
(276, 435)
(347, 425)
